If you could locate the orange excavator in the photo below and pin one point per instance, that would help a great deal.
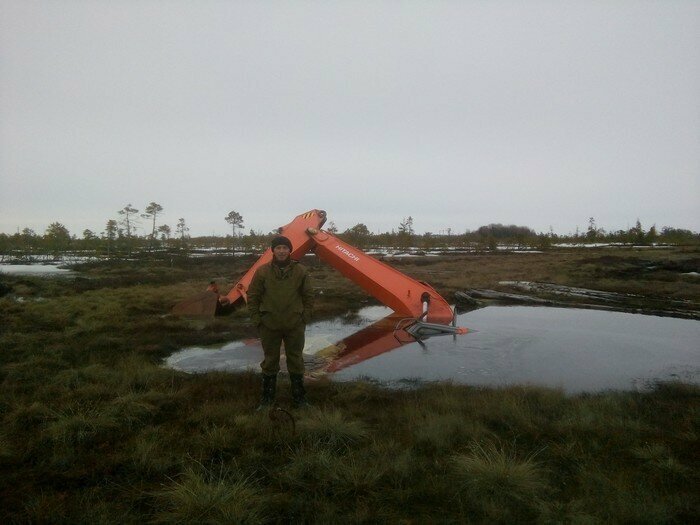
(420, 310)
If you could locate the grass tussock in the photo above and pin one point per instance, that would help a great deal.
(331, 430)
(209, 495)
(498, 485)
(94, 430)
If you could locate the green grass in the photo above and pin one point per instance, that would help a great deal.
(94, 430)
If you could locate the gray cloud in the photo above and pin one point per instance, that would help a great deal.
(457, 113)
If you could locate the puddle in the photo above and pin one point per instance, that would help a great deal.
(573, 349)
(34, 269)
(247, 354)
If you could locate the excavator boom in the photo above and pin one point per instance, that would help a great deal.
(401, 293)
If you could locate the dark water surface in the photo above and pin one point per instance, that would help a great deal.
(576, 350)
(41, 270)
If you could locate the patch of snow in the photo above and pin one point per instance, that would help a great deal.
(21, 299)
(585, 245)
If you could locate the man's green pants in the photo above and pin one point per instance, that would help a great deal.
(271, 340)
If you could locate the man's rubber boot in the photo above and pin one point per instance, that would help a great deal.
(269, 387)
(298, 392)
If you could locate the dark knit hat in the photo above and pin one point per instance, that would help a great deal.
(281, 239)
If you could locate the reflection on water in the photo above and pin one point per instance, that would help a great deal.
(577, 350)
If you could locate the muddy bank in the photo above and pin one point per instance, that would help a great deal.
(548, 294)
(661, 282)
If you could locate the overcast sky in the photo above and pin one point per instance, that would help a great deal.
(457, 113)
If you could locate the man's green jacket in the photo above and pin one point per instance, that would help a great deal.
(280, 297)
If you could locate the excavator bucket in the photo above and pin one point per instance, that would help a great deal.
(205, 304)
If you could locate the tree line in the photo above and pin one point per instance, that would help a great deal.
(126, 234)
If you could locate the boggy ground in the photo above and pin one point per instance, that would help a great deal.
(95, 431)
(656, 281)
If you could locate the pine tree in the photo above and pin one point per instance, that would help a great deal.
(129, 222)
(235, 219)
(152, 211)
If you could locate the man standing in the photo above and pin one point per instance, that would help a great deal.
(280, 300)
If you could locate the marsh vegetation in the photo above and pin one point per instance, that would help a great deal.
(95, 430)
